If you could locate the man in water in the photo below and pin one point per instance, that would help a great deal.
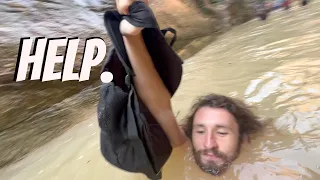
(217, 125)
(286, 4)
(304, 2)
(262, 10)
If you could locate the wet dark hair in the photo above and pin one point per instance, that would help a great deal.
(247, 121)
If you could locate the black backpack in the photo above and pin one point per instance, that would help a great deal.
(130, 138)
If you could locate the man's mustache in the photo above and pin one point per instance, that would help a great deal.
(215, 152)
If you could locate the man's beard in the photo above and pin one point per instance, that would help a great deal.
(212, 167)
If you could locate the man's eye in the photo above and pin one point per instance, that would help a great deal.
(200, 132)
(222, 133)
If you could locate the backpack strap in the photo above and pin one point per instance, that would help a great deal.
(173, 31)
(110, 53)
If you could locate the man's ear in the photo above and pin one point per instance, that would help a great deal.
(245, 139)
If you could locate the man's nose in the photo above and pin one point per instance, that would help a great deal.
(210, 141)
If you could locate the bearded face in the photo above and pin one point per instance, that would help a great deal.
(215, 139)
(213, 161)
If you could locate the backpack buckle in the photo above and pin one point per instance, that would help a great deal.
(128, 80)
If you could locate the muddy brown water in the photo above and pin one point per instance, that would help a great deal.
(273, 65)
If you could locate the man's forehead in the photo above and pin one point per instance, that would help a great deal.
(214, 117)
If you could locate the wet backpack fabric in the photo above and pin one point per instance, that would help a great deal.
(130, 137)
